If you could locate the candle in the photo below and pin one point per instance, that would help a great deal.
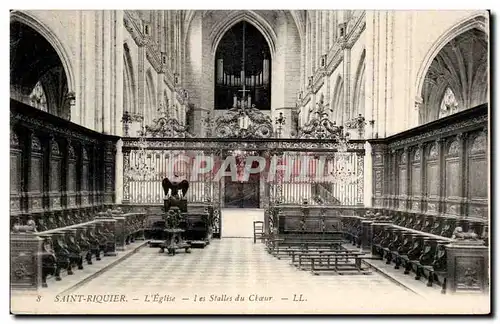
(234, 101)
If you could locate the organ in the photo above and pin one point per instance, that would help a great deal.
(243, 61)
(256, 80)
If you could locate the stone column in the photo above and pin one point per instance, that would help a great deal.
(117, 126)
(107, 75)
(346, 113)
(368, 176)
(99, 64)
(141, 88)
(369, 36)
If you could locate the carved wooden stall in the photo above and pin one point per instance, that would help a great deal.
(62, 176)
(431, 190)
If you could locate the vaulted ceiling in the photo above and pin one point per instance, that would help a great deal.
(462, 66)
(31, 56)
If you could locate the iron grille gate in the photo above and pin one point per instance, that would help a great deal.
(307, 177)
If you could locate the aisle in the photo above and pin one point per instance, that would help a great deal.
(238, 222)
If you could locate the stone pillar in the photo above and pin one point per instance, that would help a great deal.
(118, 74)
(346, 113)
(467, 267)
(368, 176)
(99, 64)
(141, 80)
(107, 76)
(119, 172)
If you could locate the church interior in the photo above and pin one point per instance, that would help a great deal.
(325, 161)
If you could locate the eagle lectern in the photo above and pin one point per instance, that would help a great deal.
(175, 193)
(175, 203)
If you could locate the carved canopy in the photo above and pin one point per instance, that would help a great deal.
(167, 127)
(227, 125)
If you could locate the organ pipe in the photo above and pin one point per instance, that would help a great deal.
(220, 71)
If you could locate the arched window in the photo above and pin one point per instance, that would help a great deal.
(38, 98)
(449, 104)
(243, 68)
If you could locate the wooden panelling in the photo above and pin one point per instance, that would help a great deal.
(453, 178)
(478, 177)
(447, 168)
(15, 173)
(49, 169)
(432, 177)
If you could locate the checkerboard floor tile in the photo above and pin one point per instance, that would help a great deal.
(226, 264)
(233, 267)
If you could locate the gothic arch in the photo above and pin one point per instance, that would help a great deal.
(297, 16)
(359, 88)
(337, 102)
(477, 20)
(220, 29)
(35, 23)
(457, 77)
(150, 102)
(129, 84)
(299, 22)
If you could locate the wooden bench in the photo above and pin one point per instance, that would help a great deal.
(294, 253)
(332, 261)
(281, 245)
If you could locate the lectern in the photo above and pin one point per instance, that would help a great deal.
(175, 204)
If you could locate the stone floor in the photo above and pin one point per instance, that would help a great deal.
(235, 276)
(210, 280)
(237, 222)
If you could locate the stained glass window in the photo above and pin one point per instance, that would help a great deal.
(38, 98)
(449, 104)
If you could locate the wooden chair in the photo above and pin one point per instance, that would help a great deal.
(258, 231)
